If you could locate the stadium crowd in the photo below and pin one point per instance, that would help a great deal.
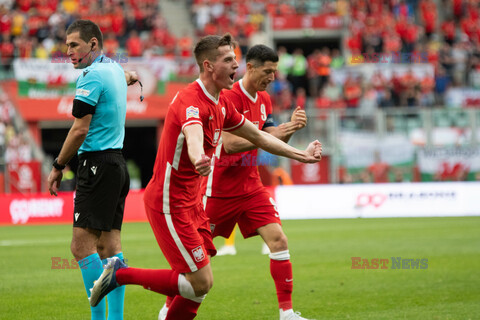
(385, 32)
(449, 41)
(13, 145)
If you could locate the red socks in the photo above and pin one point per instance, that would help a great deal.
(182, 309)
(161, 281)
(164, 282)
(281, 272)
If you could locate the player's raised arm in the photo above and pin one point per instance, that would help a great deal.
(269, 143)
(284, 132)
(194, 137)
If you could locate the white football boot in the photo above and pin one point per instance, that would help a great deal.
(227, 250)
(290, 315)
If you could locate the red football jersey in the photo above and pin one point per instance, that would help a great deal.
(175, 185)
(237, 174)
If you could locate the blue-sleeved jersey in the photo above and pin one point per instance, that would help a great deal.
(103, 85)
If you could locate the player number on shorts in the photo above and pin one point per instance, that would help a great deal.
(274, 204)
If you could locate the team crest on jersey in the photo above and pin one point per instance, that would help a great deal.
(216, 135)
(212, 227)
(192, 112)
(198, 254)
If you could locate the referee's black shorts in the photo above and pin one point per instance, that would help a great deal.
(102, 186)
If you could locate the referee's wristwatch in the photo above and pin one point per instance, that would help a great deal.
(57, 165)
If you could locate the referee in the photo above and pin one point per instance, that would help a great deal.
(97, 135)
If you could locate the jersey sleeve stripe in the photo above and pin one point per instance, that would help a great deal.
(236, 126)
(218, 152)
(166, 189)
(178, 151)
(188, 123)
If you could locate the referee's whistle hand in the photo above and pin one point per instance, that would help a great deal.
(131, 77)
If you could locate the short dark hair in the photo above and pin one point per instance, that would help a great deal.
(207, 47)
(87, 30)
(259, 54)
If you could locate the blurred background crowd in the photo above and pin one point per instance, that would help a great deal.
(447, 37)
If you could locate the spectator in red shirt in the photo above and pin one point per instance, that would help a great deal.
(469, 26)
(427, 97)
(457, 7)
(5, 22)
(24, 5)
(110, 45)
(117, 19)
(354, 42)
(410, 84)
(391, 42)
(411, 36)
(185, 45)
(429, 17)
(397, 88)
(24, 44)
(6, 52)
(134, 45)
(402, 9)
(385, 19)
(322, 102)
(448, 30)
(323, 70)
(401, 27)
(379, 170)
(300, 98)
(352, 92)
(286, 9)
(33, 22)
(312, 72)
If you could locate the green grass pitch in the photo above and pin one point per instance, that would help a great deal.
(325, 285)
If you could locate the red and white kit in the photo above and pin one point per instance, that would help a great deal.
(172, 197)
(234, 191)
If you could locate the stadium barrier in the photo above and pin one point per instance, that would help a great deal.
(293, 202)
(42, 208)
(379, 200)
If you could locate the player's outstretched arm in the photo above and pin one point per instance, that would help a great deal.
(269, 143)
(194, 137)
(234, 144)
